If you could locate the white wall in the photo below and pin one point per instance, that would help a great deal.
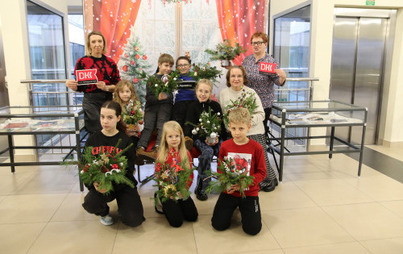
(320, 58)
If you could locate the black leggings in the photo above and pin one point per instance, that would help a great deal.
(129, 204)
(249, 208)
(177, 212)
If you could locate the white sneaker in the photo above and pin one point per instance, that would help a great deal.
(107, 220)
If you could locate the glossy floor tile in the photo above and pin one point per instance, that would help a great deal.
(321, 206)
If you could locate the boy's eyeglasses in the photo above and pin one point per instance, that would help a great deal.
(257, 43)
(183, 65)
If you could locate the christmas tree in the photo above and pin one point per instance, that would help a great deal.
(134, 61)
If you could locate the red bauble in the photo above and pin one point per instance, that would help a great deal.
(135, 80)
(144, 57)
(137, 56)
(124, 68)
(132, 62)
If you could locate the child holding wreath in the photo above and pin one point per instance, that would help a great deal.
(244, 156)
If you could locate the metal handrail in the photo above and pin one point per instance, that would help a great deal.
(303, 79)
(39, 81)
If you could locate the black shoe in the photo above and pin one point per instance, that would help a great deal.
(201, 196)
(271, 186)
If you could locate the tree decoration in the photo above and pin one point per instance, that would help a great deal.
(225, 52)
(209, 126)
(134, 61)
(105, 168)
(172, 179)
(232, 171)
(201, 71)
(165, 84)
(246, 100)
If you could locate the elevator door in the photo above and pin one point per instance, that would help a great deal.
(357, 69)
(3, 93)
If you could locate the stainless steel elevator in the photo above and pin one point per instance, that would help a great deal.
(4, 100)
(360, 39)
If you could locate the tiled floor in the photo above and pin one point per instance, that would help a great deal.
(320, 207)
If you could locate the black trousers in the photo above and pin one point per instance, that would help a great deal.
(249, 208)
(129, 204)
(92, 103)
(267, 113)
(179, 111)
(177, 212)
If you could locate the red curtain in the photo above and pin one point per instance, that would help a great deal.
(113, 18)
(239, 20)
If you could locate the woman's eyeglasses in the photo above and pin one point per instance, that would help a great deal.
(182, 65)
(257, 43)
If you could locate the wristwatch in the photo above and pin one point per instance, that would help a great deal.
(107, 88)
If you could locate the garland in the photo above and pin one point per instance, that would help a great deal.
(233, 171)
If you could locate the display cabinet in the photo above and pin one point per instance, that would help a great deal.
(45, 121)
(328, 114)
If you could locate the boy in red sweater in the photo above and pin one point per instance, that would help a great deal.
(241, 146)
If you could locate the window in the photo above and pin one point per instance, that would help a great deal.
(292, 43)
(46, 44)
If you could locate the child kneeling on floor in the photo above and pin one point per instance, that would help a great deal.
(173, 152)
(252, 152)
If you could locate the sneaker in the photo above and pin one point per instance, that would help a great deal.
(188, 143)
(158, 206)
(270, 186)
(107, 220)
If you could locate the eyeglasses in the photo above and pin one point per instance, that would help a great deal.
(255, 43)
(182, 65)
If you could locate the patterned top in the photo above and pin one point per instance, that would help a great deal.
(107, 71)
(257, 164)
(262, 84)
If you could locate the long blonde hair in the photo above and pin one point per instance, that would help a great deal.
(119, 86)
(164, 149)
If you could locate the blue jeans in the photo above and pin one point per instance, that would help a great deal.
(207, 153)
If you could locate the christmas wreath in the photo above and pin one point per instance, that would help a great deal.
(209, 126)
(172, 179)
(132, 114)
(224, 51)
(105, 168)
(166, 84)
(232, 171)
(205, 71)
(246, 100)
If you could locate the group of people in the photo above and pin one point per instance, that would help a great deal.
(172, 116)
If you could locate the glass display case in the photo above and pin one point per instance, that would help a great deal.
(330, 114)
(41, 122)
